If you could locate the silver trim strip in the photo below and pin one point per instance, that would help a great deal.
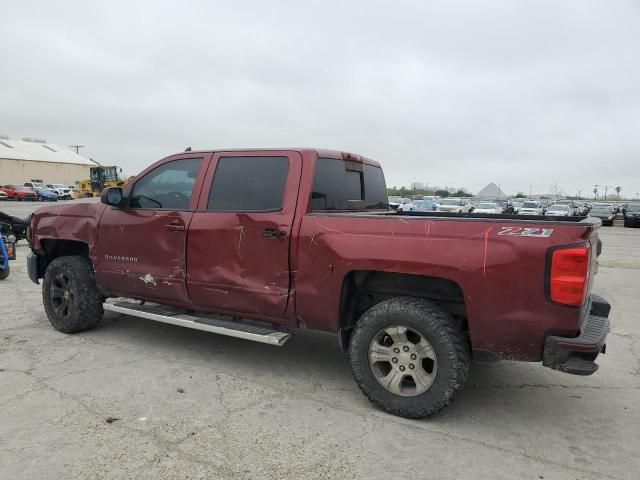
(182, 320)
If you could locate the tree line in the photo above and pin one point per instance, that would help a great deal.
(404, 192)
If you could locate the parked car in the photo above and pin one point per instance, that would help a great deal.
(19, 192)
(396, 202)
(36, 184)
(560, 210)
(427, 204)
(531, 208)
(573, 207)
(603, 211)
(45, 195)
(457, 205)
(306, 248)
(64, 193)
(632, 215)
(3, 195)
(488, 207)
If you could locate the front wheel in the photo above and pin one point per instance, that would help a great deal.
(4, 273)
(409, 357)
(70, 295)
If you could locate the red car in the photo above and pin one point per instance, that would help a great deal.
(305, 239)
(17, 192)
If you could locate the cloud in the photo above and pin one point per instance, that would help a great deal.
(463, 93)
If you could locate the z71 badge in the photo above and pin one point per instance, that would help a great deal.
(537, 232)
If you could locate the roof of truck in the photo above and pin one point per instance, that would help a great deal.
(321, 152)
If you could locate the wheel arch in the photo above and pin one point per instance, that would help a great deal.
(362, 289)
(52, 248)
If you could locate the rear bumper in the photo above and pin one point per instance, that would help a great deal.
(577, 355)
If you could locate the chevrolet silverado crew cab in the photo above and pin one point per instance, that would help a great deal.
(258, 243)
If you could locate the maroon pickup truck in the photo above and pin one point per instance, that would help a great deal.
(257, 243)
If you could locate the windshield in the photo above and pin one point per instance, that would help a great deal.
(530, 205)
(395, 199)
(58, 185)
(488, 206)
(450, 202)
(633, 208)
(559, 208)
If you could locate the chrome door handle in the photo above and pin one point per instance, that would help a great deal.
(271, 233)
(174, 227)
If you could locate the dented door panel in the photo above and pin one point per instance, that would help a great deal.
(239, 261)
(141, 253)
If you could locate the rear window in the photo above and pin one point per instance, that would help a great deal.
(344, 185)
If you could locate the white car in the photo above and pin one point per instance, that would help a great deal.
(397, 202)
(3, 195)
(63, 192)
(488, 207)
(427, 204)
(531, 208)
(560, 210)
(457, 205)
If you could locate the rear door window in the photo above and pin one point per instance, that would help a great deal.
(345, 185)
(249, 184)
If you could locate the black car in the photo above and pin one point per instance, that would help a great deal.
(632, 215)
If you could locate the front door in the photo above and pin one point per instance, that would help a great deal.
(239, 238)
(141, 248)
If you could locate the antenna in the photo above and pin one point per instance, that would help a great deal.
(77, 147)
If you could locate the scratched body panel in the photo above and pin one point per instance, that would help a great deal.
(138, 256)
(501, 276)
(77, 222)
(232, 263)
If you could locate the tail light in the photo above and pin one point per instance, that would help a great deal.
(569, 275)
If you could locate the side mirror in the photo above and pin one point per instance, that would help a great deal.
(112, 196)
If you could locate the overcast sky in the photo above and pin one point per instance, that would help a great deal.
(519, 93)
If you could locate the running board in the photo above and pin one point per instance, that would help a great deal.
(202, 321)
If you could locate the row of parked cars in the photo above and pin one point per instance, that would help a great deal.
(559, 208)
(36, 191)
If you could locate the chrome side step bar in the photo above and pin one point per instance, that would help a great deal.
(202, 321)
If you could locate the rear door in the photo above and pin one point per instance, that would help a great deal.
(240, 235)
(141, 248)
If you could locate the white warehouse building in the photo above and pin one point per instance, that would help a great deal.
(33, 159)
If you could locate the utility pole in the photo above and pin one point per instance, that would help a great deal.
(606, 187)
(77, 147)
(579, 192)
(595, 192)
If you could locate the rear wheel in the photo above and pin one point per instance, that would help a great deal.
(71, 298)
(409, 357)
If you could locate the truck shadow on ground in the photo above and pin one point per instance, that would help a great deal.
(312, 363)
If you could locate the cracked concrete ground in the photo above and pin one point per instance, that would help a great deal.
(137, 399)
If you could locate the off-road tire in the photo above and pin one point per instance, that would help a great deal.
(441, 331)
(85, 304)
(5, 273)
